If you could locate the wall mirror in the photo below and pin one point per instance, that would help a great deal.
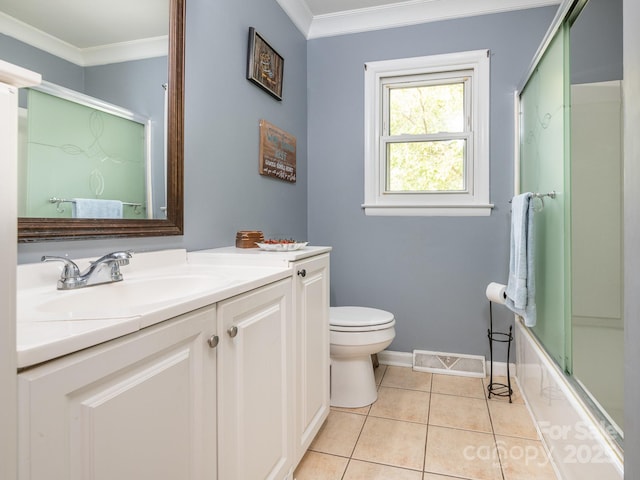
(78, 56)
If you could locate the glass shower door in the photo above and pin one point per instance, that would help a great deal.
(597, 173)
(571, 143)
(544, 160)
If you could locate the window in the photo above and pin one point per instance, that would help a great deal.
(427, 135)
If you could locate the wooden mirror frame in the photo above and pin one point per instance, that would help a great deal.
(41, 229)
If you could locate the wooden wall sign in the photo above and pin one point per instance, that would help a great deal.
(277, 152)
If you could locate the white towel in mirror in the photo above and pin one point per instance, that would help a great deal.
(96, 208)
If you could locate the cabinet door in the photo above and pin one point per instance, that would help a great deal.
(140, 407)
(255, 402)
(312, 349)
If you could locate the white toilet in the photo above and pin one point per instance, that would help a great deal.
(355, 334)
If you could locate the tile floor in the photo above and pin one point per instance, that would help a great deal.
(428, 427)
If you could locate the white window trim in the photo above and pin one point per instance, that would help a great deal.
(474, 201)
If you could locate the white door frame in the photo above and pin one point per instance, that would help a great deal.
(11, 78)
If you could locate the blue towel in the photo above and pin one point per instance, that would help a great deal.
(94, 208)
(521, 285)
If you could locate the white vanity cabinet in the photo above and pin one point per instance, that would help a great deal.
(235, 390)
(310, 385)
(138, 407)
(255, 384)
(310, 295)
(311, 300)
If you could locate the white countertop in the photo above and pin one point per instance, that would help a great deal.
(255, 256)
(45, 336)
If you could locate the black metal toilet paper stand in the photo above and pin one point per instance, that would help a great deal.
(495, 388)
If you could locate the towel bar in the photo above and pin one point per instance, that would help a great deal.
(58, 201)
(551, 194)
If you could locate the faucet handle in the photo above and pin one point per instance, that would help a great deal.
(70, 275)
(70, 269)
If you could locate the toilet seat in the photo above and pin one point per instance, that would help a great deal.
(359, 319)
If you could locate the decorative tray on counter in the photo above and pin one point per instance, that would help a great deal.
(281, 245)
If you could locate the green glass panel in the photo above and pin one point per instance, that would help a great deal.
(75, 151)
(544, 163)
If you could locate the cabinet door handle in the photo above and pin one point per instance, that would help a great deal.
(213, 341)
(233, 331)
(302, 273)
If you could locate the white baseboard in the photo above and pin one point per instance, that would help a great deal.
(500, 369)
(397, 359)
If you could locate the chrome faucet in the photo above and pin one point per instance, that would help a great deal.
(106, 269)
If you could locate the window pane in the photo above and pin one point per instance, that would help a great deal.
(426, 109)
(426, 166)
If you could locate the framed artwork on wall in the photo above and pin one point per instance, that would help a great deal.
(265, 66)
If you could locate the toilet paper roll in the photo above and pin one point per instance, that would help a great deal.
(496, 292)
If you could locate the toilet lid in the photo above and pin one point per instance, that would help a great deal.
(359, 317)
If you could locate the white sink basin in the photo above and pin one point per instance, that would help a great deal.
(157, 286)
(128, 298)
(123, 299)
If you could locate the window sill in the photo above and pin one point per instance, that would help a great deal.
(462, 210)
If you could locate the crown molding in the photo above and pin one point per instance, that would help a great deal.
(84, 57)
(401, 14)
(37, 38)
(126, 51)
(299, 13)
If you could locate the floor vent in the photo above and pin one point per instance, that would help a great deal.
(449, 363)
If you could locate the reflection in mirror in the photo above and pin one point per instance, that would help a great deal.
(96, 164)
(74, 51)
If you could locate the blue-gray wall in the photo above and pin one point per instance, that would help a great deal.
(223, 190)
(431, 272)
(597, 58)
